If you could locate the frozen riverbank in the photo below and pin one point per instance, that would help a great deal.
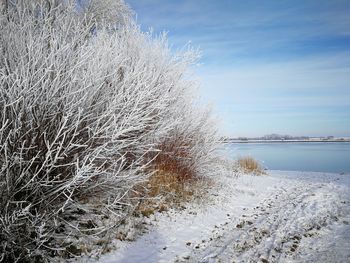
(280, 217)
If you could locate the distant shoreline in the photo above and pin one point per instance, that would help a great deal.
(282, 141)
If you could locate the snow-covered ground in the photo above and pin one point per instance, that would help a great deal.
(279, 217)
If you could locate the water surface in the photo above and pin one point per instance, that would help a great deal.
(297, 156)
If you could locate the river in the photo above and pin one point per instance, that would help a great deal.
(296, 156)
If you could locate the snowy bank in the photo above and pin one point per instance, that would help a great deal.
(280, 217)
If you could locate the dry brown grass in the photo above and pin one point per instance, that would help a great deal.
(250, 165)
(174, 181)
(164, 191)
(175, 159)
(165, 184)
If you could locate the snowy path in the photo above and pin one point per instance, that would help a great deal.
(282, 217)
(292, 224)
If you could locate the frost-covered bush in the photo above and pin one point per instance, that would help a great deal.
(87, 101)
(188, 148)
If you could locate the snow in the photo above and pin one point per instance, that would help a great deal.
(279, 217)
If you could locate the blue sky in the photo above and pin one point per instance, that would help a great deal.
(267, 66)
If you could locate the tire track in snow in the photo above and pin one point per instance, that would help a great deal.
(275, 228)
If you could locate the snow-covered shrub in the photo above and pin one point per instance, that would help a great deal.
(86, 106)
(187, 150)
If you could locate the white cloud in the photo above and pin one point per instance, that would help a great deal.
(305, 90)
(280, 65)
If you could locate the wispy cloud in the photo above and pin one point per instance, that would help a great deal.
(250, 28)
(302, 91)
(267, 65)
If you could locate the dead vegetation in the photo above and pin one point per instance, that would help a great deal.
(161, 192)
(165, 191)
(250, 165)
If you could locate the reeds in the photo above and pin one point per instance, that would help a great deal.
(250, 165)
